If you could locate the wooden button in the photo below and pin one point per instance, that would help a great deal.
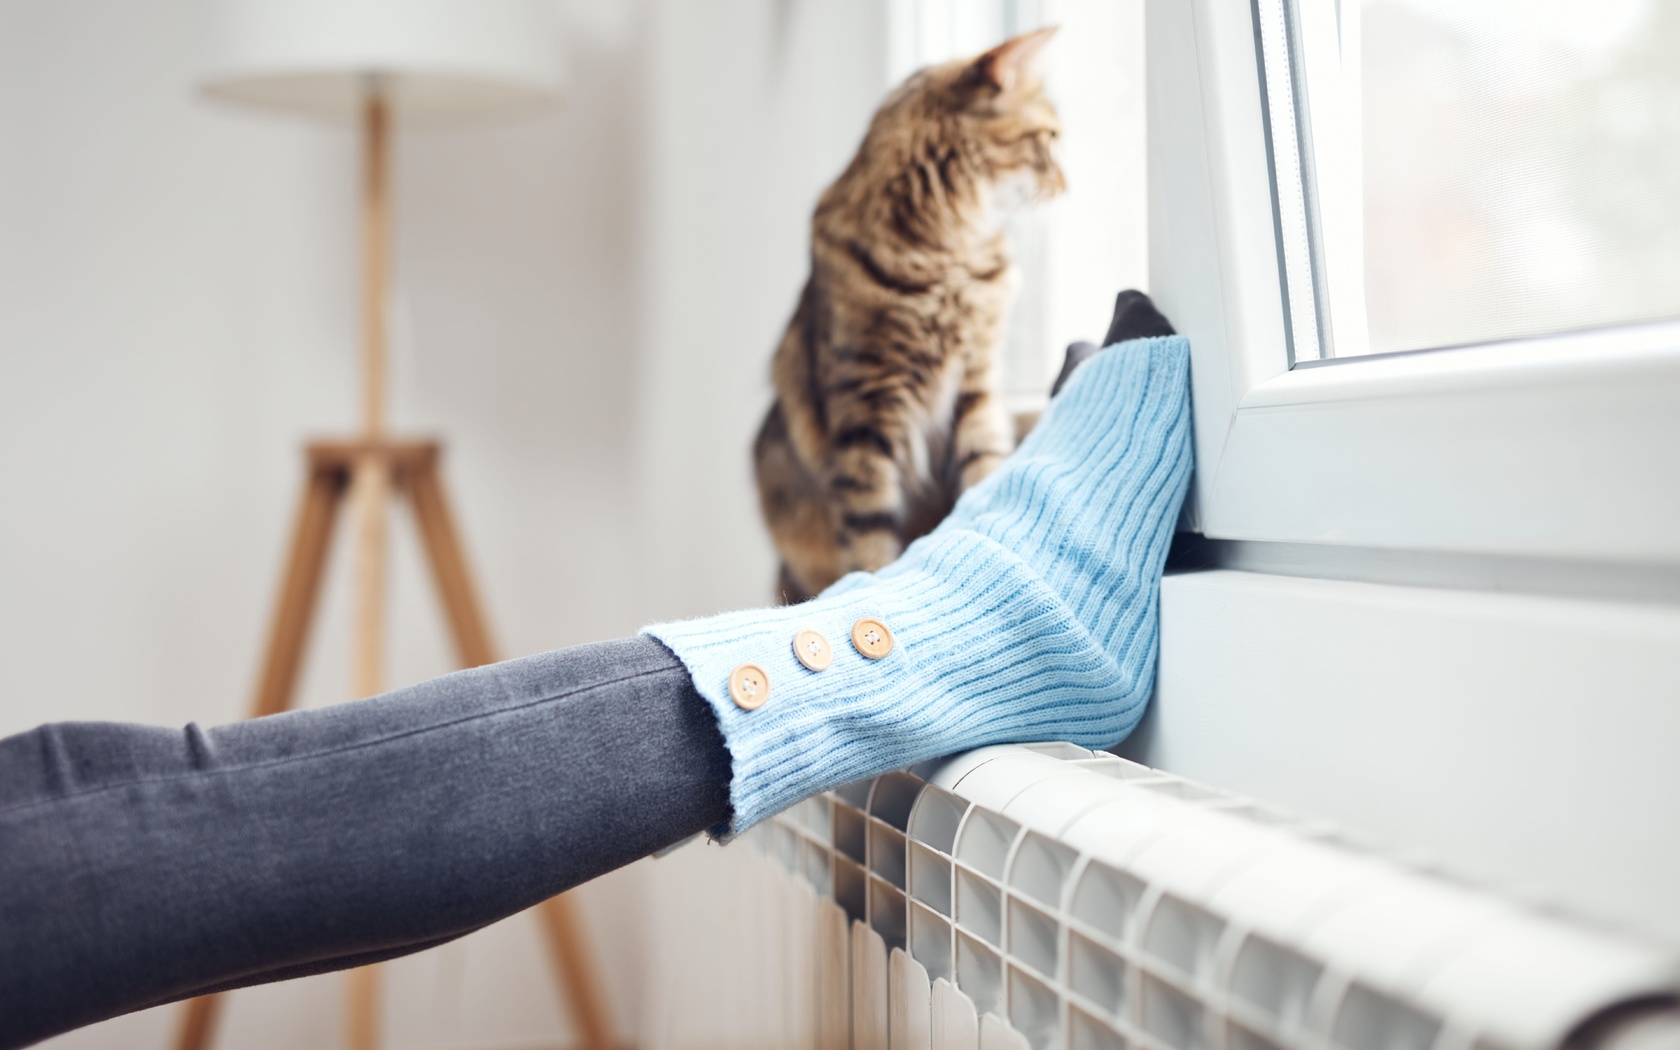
(749, 686)
(872, 638)
(813, 650)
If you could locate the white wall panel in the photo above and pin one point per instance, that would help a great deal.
(1528, 739)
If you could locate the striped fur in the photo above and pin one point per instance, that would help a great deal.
(886, 380)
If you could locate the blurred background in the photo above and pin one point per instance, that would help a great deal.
(585, 302)
(1516, 166)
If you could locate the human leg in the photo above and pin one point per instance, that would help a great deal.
(140, 865)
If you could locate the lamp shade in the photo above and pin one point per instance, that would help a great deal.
(433, 59)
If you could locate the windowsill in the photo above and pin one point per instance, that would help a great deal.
(1555, 448)
(1501, 574)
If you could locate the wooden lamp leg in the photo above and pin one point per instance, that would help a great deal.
(580, 985)
(371, 492)
(323, 492)
(373, 479)
(449, 567)
(198, 1022)
(362, 999)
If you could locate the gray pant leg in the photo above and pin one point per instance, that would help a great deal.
(140, 865)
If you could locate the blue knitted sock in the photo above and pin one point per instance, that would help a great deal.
(1029, 614)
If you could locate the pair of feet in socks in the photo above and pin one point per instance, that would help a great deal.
(1028, 614)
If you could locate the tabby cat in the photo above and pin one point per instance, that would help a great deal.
(887, 404)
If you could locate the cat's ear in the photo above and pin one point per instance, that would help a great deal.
(1004, 65)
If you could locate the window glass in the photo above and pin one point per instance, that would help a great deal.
(1488, 169)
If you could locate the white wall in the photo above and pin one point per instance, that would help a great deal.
(752, 108)
(1525, 739)
(587, 305)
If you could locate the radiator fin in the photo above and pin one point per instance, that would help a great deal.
(1051, 898)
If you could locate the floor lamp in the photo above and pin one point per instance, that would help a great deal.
(375, 62)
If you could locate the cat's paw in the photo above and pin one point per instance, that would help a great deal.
(869, 551)
(979, 464)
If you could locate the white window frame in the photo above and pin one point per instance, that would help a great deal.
(1558, 447)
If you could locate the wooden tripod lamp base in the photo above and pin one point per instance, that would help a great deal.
(366, 61)
(372, 472)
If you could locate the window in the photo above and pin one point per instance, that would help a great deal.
(1269, 234)
(1473, 170)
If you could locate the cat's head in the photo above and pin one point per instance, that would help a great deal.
(992, 111)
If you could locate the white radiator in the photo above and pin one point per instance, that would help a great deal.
(1051, 897)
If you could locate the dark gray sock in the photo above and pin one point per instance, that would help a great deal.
(1135, 317)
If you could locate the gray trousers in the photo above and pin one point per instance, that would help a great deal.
(141, 865)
